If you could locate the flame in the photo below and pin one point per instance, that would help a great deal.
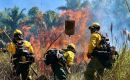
(44, 39)
(26, 30)
(81, 17)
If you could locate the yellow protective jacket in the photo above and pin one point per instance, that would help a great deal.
(69, 56)
(11, 48)
(95, 40)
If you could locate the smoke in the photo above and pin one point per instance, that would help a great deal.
(111, 11)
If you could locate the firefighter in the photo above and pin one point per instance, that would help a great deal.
(69, 55)
(94, 66)
(61, 61)
(21, 54)
(55, 58)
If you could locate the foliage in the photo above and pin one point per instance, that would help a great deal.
(73, 5)
(51, 19)
(120, 70)
(11, 17)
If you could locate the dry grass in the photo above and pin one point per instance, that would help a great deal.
(120, 70)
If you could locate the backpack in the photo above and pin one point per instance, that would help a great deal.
(103, 53)
(106, 58)
(54, 56)
(22, 55)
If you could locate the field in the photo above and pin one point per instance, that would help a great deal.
(120, 70)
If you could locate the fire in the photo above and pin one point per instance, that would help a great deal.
(79, 38)
(26, 30)
(81, 17)
(58, 39)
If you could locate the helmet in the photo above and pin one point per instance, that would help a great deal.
(95, 25)
(71, 45)
(18, 35)
(17, 31)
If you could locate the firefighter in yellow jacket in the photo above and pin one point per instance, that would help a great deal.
(21, 54)
(60, 61)
(69, 55)
(94, 66)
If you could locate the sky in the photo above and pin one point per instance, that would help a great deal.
(43, 5)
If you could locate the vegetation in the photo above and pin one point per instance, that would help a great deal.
(120, 70)
(12, 18)
(73, 5)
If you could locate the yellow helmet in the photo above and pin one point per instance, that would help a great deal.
(71, 45)
(17, 31)
(95, 25)
(18, 35)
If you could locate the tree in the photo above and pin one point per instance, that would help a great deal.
(33, 12)
(11, 17)
(51, 19)
(36, 20)
(73, 5)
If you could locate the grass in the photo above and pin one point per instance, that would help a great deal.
(120, 70)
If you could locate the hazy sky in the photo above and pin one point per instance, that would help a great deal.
(43, 5)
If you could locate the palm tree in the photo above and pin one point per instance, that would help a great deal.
(74, 5)
(12, 17)
(33, 12)
(36, 20)
(51, 19)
